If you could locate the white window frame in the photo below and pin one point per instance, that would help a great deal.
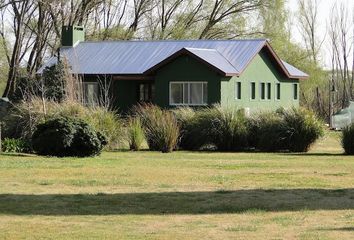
(265, 91)
(84, 92)
(268, 91)
(276, 91)
(297, 91)
(255, 91)
(189, 92)
(238, 83)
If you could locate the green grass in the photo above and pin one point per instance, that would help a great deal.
(182, 195)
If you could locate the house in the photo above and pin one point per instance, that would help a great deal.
(238, 73)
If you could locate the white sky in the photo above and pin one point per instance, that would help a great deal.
(324, 12)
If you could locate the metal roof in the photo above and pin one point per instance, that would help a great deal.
(210, 57)
(293, 70)
(136, 57)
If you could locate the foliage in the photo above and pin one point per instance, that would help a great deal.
(293, 130)
(13, 145)
(348, 139)
(136, 136)
(224, 128)
(54, 82)
(25, 86)
(267, 132)
(24, 117)
(67, 137)
(160, 126)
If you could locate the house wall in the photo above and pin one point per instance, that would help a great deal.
(185, 68)
(261, 69)
(124, 94)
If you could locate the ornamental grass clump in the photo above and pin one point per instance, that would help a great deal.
(221, 128)
(348, 139)
(303, 128)
(160, 127)
(293, 130)
(135, 134)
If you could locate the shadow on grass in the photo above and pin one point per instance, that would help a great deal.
(177, 202)
(347, 229)
(316, 154)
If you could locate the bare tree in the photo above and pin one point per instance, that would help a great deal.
(342, 48)
(223, 9)
(308, 25)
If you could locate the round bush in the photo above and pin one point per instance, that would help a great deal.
(293, 130)
(348, 139)
(67, 137)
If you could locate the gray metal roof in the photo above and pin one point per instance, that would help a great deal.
(136, 57)
(293, 71)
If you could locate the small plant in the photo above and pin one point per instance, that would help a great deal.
(136, 136)
(160, 127)
(67, 137)
(12, 145)
(348, 139)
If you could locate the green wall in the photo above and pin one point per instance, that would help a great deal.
(186, 68)
(261, 69)
(221, 90)
(125, 94)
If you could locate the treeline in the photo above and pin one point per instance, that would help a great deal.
(30, 31)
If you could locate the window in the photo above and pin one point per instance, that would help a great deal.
(269, 91)
(238, 90)
(253, 90)
(90, 90)
(188, 93)
(295, 88)
(146, 92)
(277, 91)
(262, 91)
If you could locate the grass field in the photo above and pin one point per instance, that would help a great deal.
(182, 195)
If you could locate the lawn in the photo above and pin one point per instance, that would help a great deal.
(182, 195)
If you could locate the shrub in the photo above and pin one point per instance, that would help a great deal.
(12, 145)
(267, 132)
(160, 126)
(348, 139)
(67, 137)
(192, 134)
(23, 118)
(303, 128)
(293, 130)
(136, 135)
(224, 128)
(229, 129)
(54, 82)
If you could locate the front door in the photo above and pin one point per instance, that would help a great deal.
(146, 92)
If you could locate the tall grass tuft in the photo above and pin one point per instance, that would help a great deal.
(293, 130)
(223, 128)
(161, 127)
(135, 132)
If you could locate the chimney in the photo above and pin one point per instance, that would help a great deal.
(72, 35)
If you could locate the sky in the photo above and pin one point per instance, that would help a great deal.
(324, 12)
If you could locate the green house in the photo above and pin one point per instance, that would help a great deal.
(244, 74)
